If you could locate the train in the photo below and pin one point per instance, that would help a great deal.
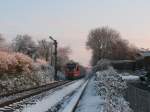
(74, 71)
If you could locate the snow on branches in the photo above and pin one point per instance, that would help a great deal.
(15, 62)
(111, 87)
(102, 65)
(19, 71)
(43, 71)
(41, 62)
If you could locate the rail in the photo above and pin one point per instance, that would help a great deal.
(72, 105)
(20, 95)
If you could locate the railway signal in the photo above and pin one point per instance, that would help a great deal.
(55, 55)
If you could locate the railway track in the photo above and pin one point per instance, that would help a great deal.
(60, 97)
(72, 104)
(7, 99)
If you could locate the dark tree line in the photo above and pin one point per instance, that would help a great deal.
(106, 43)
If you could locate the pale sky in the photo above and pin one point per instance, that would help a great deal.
(69, 21)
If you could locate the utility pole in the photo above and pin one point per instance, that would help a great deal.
(55, 55)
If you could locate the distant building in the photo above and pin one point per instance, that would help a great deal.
(143, 59)
(144, 53)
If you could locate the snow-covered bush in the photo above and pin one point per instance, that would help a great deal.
(24, 63)
(19, 82)
(41, 62)
(111, 87)
(61, 76)
(15, 63)
(18, 71)
(7, 62)
(102, 65)
(41, 75)
(44, 72)
(45, 69)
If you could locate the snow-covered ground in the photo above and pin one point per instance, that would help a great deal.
(51, 100)
(70, 106)
(130, 78)
(90, 101)
(46, 101)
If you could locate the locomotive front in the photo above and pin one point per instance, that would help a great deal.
(72, 71)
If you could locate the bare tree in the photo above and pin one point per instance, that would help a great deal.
(1, 38)
(107, 43)
(45, 49)
(24, 44)
(3, 44)
(63, 56)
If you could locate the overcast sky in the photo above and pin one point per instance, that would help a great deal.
(69, 21)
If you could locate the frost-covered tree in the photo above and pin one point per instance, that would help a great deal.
(24, 44)
(1, 38)
(63, 56)
(45, 49)
(3, 45)
(1, 41)
(43, 71)
(18, 71)
(102, 64)
(107, 43)
(15, 63)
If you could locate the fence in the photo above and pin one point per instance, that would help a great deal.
(139, 99)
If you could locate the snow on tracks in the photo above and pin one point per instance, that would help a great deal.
(20, 95)
(73, 103)
(90, 101)
(51, 100)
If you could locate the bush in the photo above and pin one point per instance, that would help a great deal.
(18, 71)
(15, 63)
(102, 64)
(44, 73)
(41, 62)
(24, 63)
(19, 82)
(111, 87)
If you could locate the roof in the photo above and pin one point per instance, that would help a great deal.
(122, 61)
(146, 54)
(143, 54)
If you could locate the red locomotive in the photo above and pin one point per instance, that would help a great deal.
(72, 71)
